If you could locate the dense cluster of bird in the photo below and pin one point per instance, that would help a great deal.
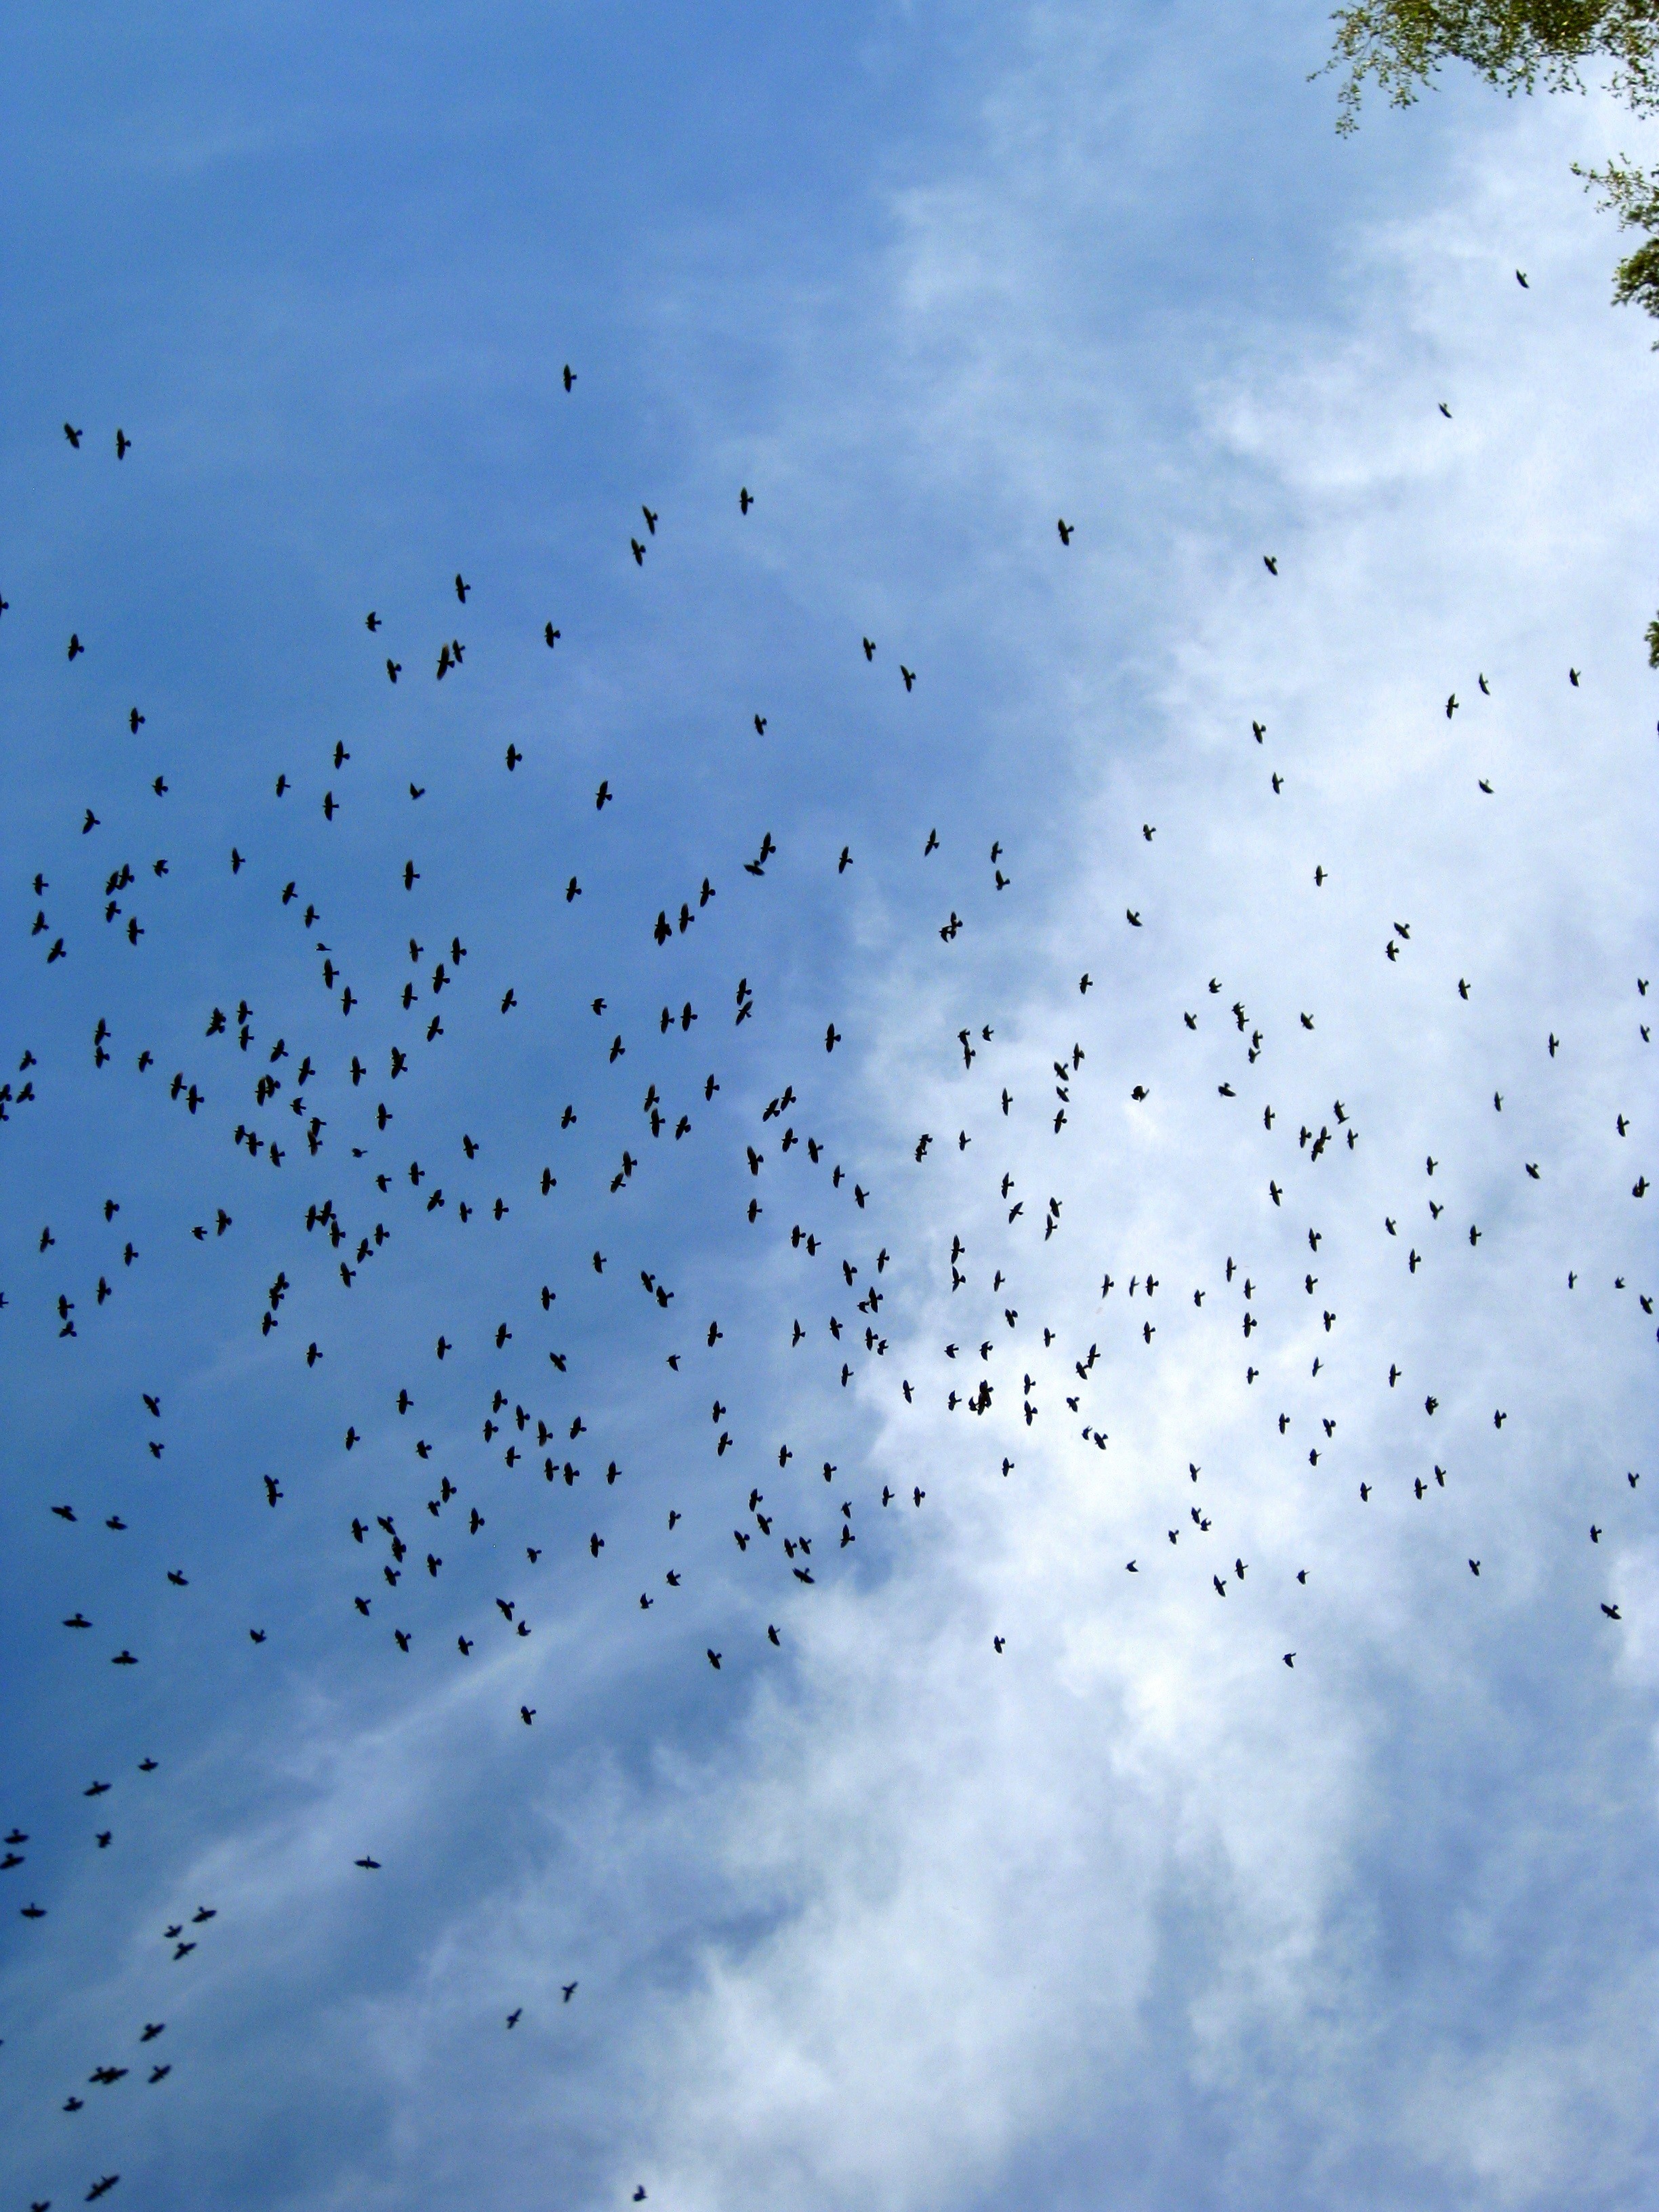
(315, 1101)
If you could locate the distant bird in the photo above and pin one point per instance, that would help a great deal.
(1269, 562)
(371, 621)
(515, 2015)
(372, 1865)
(1486, 786)
(73, 435)
(461, 588)
(569, 1990)
(1521, 279)
(650, 520)
(745, 500)
(551, 635)
(1445, 410)
(909, 676)
(1451, 706)
(1064, 529)
(569, 376)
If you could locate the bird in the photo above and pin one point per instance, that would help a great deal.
(1270, 562)
(1064, 529)
(1521, 279)
(515, 2016)
(569, 376)
(745, 500)
(1445, 410)
(73, 435)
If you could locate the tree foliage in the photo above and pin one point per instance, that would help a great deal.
(1515, 44)
(1633, 195)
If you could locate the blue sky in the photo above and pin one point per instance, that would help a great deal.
(1123, 1910)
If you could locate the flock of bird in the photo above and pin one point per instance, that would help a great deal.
(316, 1100)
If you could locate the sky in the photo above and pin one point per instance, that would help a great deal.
(1213, 1765)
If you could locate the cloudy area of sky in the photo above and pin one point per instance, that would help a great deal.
(1127, 1912)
